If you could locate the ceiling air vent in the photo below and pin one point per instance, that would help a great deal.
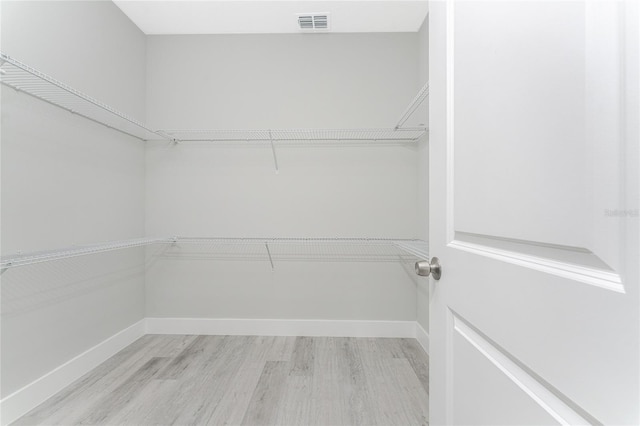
(313, 22)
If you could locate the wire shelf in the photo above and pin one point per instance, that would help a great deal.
(298, 249)
(413, 106)
(24, 78)
(286, 240)
(25, 259)
(268, 248)
(418, 248)
(293, 135)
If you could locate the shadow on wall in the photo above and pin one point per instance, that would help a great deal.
(38, 286)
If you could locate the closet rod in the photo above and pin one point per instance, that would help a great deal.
(25, 259)
(413, 106)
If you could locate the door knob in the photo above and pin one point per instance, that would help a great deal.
(424, 268)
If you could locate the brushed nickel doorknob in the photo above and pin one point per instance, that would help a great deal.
(425, 268)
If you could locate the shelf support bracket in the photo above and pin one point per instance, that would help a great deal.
(413, 106)
(266, 245)
(7, 265)
(273, 151)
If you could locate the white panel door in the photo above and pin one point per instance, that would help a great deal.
(534, 190)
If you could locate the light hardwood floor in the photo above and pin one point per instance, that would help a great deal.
(249, 380)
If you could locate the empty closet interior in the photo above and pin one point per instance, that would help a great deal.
(232, 184)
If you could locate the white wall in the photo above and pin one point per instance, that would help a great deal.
(280, 81)
(66, 180)
(422, 115)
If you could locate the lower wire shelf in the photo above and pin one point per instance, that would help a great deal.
(24, 259)
(253, 248)
(298, 249)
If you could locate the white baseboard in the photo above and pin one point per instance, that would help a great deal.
(274, 327)
(422, 337)
(24, 400)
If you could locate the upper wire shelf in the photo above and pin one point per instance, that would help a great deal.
(24, 78)
(293, 135)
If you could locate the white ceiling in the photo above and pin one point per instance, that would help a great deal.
(270, 17)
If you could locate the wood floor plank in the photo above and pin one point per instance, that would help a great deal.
(356, 392)
(262, 409)
(163, 401)
(327, 404)
(215, 382)
(190, 398)
(302, 357)
(233, 405)
(415, 400)
(281, 349)
(109, 405)
(173, 344)
(190, 354)
(146, 404)
(418, 359)
(295, 404)
(387, 401)
(390, 347)
(236, 399)
(216, 350)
